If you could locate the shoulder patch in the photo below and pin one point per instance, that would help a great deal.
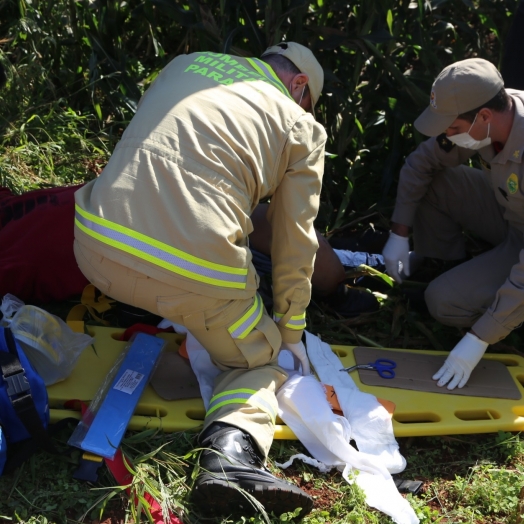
(444, 143)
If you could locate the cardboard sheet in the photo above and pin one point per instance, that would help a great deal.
(174, 379)
(489, 379)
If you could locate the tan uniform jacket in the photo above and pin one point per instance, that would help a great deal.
(212, 136)
(506, 173)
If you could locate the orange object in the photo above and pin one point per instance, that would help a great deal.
(335, 406)
(390, 406)
(182, 351)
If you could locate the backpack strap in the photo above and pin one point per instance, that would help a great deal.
(19, 393)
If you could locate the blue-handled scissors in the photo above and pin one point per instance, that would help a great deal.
(383, 366)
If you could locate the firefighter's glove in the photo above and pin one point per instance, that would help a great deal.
(396, 252)
(461, 361)
(299, 354)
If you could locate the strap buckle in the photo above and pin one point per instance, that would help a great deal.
(16, 383)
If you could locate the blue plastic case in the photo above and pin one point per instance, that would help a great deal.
(105, 421)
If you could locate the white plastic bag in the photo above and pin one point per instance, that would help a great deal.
(49, 343)
(10, 305)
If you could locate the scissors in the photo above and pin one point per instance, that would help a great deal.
(383, 366)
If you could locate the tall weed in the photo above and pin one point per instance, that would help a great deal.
(93, 59)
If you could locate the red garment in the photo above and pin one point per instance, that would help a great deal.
(37, 263)
(123, 475)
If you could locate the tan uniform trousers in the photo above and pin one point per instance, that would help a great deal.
(461, 199)
(244, 394)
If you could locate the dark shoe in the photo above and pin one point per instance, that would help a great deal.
(351, 302)
(232, 473)
(415, 297)
(373, 284)
(127, 316)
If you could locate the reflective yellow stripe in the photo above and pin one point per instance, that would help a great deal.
(159, 253)
(241, 396)
(296, 322)
(267, 71)
(246, 323)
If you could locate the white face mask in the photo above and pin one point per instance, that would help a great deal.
(467, 141)
(301, 96)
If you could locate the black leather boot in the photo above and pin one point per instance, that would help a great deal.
(351, 302)
(232, 471)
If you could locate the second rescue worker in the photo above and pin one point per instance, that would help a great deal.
(469, 111)
(165, 228)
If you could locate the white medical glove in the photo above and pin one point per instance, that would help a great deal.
(300, 354)
(396, 250)
(461, 362)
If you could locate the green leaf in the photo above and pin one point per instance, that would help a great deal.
(359, 125)
(98, 110)
(389, 20)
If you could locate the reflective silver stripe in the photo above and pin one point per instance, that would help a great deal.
(125, 241)
(297, 323)
(245, 324)
(241, 396)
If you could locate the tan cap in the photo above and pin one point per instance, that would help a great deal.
(305, 61)
(459, 88)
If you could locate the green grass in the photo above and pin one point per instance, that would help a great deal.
(467, 479)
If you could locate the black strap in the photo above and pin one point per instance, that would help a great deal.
(22, 451)
(19, 392)
(11, 367)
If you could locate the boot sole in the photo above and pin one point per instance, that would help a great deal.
(219, 496)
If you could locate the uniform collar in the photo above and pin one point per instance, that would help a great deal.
(269, 74)
(514, 147)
